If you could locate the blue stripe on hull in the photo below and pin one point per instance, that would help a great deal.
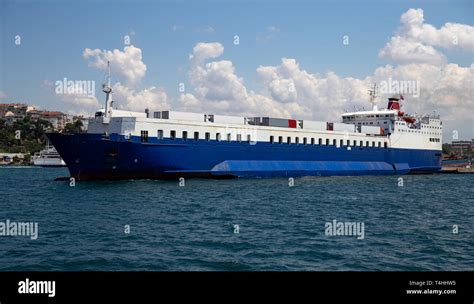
(302, 168)
(89, 156)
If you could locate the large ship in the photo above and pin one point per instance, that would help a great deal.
(168, 144)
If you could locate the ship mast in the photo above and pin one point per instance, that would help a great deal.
(373, 95)
(107, 89)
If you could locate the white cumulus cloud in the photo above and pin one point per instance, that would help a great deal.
(82, 103)
(203, 51)
(417, 41)
(153, 98)
(127, 63)
(288, 90)
(403, 50)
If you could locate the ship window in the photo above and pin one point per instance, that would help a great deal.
(185, 135)
(320, 141)
(380, 144)
(355, 143)
(280, 139)
(348, 142)
(144, 136)
(196, 135)
(218, 136)
(208, 136)
(341, 143)
(373, 144)
(271, 139)
(367, 143)
(173, 134)
(385, 145)
(239, 137)
(361, 143)
(229, 136)
(305, 140)
(312, 141)
(327, 141)
(297, 140)
(249, 137)
(160, 134)
(288, 140)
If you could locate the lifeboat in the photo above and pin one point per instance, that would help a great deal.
(409, 119)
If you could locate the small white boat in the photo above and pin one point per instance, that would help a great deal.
(48, 157)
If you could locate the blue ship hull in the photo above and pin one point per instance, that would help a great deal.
(90, 156)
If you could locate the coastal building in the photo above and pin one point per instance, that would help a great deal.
(12, 112)
(34, 114)
(8, 158)
(57, 119)
(9, 118)
(15, 111)
(462, 147)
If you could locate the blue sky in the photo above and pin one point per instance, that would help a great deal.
(55, 33)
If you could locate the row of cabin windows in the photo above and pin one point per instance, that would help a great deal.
(368, 116)
(327, 142)
(418, 131)
(422, 126)
(371, 123)
(207, 136)
(434, 139)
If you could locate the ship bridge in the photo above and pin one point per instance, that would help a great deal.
(391, 118)
(376, 118)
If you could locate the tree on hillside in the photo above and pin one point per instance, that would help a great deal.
(72, 128)
(32, 135)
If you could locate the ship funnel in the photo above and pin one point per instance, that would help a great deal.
(394, 102)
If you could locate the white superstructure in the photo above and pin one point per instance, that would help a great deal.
(387, 128)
